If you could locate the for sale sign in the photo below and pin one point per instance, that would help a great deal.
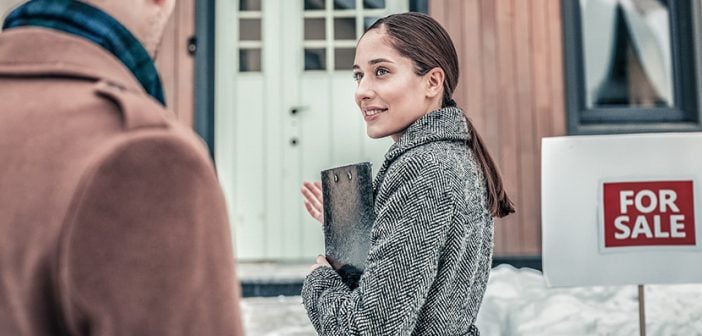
(648, 213)
(622, 209)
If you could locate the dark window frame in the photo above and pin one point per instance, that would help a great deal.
(684, 116)
(204, 104)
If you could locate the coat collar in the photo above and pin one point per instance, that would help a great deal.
(41, 51)
(445, 124)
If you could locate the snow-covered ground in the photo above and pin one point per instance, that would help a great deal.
(517, 302)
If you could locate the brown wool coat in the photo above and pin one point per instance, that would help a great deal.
(112, 221)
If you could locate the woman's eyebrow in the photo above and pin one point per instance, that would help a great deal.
(379, 60)
(374, 61)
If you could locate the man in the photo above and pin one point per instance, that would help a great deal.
(111, 217)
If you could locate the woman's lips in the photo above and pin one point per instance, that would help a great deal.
(372, 113)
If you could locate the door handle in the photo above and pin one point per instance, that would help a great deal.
(295, 110)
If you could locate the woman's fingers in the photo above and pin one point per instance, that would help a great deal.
(320, 262)
(316, 188)
(313, 194)
(316, 214)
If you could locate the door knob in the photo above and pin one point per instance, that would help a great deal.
(295, 110)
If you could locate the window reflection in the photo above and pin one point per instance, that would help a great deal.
(344, 4)
(314, 29)
(249, 60)
(249, 5)
(627, 53)
(373, 4)
(315, 59)
(344, 28)
(314, 4)
(343, 58)
(250, 29)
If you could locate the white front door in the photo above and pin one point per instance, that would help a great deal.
(285, 111)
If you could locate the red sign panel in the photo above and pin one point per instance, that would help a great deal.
(652, 213)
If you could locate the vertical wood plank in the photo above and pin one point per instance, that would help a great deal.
(491, 133)
(185, 63)
(555, 48)
(175, 65)
(527, 174)
(542, 89)
(504, 14)
(454, 26)
(437, 10)
(471, 65)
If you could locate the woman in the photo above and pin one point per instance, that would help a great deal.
(435, 195)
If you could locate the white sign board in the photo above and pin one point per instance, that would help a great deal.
(622, 209)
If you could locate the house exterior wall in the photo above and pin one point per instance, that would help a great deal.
(176, 64)
(511, 85)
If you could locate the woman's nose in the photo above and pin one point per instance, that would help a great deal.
(364, 90)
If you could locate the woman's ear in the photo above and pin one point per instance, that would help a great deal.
(435, 82)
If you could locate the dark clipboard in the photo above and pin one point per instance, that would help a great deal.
(348, 214)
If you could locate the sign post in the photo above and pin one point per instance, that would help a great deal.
(642, 312)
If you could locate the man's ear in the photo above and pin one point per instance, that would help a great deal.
(435, 82)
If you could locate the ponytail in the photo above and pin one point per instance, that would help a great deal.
(499, 203)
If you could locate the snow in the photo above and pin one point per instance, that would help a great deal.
(517, 302)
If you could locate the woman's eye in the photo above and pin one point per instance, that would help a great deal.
(381, 72)
(357, 76)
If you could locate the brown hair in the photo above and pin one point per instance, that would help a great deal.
(423, 40)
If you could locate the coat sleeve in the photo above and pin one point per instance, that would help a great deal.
(406, 240)
(146, 248)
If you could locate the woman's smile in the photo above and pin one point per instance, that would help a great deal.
(371, 112)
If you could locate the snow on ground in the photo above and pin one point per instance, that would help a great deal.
(517, 302)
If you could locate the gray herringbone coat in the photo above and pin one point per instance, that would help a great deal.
(431, 243)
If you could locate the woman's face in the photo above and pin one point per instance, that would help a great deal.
(389, 93)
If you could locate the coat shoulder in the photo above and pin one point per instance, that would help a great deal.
(448, 158)
(145, 119)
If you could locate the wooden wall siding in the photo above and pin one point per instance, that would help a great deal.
(511, 86)
(176, 65)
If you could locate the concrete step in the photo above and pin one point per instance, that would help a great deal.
(268, 279)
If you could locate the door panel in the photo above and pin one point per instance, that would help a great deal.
(264, 150)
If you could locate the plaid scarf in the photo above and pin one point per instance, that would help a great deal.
(81, 19)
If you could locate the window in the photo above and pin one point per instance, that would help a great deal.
(630, 66)
(250, 35)
(332, 27)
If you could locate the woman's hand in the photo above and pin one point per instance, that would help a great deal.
(314, 203)
(320, 262)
